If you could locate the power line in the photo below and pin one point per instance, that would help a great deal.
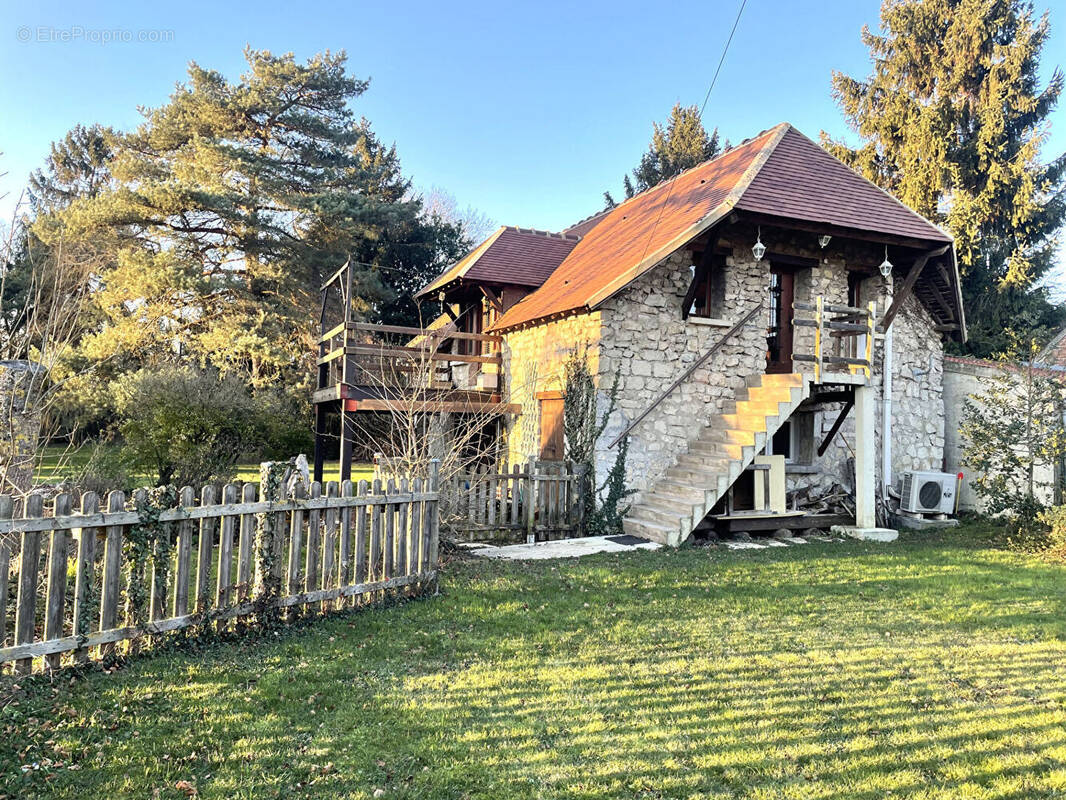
(722, 59)
(707, 97)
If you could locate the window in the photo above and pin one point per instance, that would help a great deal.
(781, 443)
(794, 440)
(706, 294)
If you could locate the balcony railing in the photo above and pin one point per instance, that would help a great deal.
(396, 357)
(843, 337)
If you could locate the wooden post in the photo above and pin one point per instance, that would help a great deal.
(582, 472)
(184, 555)
(389, 545)
(400, 565)
(29, 564)
(819, 317)
(116, 501)
(530, 502)
(374, 568)
(348, 431)
(320, 433)
(414, 545)
(57, 581)
(434, 517)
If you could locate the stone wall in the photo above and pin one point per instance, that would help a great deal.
(964, 377)
(640, 335)
(533, 361)
(648, 344)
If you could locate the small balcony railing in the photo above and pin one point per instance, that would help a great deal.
(843, 337)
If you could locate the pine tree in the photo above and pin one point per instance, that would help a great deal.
(231, 203)
(78, 166)
(953, 118)
(680, 144)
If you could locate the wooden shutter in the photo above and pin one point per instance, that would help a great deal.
(551, 428)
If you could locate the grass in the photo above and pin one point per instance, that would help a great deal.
(59, 463)
(927, 668)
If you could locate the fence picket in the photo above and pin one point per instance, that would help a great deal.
(374, 572)
(314, 544)
(187, 498)
(244, 548)
(344, 565)
(224, 589)
(360, 535)
(390, 546)
(29, 565)
(203, 552)
(83, 579)
(329, 544)
(7, 506)
(56, 592)
(400, 564)
(296, 531)
(109, 586)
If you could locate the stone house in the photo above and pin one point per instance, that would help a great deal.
(767, 311)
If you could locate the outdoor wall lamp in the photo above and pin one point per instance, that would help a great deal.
(824, 240)
(758, 249)
(886, 266)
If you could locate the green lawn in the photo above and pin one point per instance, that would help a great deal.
(60, 463)
(931, 667)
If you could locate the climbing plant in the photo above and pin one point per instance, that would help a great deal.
(146, 551)
(582, 428)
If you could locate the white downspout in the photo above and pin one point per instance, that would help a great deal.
(886, 411)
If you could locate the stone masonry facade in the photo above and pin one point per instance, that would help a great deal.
(639, 334)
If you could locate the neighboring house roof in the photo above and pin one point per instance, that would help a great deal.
(515, 256)
(1054, 354)
(779, 173)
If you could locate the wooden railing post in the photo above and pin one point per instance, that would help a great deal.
(530, 501)
(819, 317)
(29, 564)
(116, 501)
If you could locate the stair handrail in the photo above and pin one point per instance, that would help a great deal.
(688, 372)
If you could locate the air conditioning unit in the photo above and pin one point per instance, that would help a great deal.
(927, 492)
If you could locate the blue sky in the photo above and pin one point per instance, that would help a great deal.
(526, 112)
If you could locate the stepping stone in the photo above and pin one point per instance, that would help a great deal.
(744, 546)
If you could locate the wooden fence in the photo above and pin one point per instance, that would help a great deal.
(209, 564)
(537, 502)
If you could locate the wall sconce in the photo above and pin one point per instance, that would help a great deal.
(886, 266)
(824, 240)
(758, 249)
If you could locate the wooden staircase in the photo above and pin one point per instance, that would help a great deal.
(671, 510)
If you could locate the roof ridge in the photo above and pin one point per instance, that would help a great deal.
(683, 172)
(582, 221)
(570, 237)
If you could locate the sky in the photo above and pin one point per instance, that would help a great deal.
(526, 112)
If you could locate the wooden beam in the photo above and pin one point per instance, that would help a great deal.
(702, 269)
(492, 298)
(836, 425)
(907, 287)
(786, 223)
(428, 332)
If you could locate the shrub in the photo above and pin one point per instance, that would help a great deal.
(1055, 536)
(184, 425)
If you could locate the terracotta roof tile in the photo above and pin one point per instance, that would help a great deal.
(780, 172)
(802, 181)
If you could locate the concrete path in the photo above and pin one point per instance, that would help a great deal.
(560, 548)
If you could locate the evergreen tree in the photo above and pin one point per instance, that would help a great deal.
(953, 118)
(227, 208)
(680, 144)
(78, 166)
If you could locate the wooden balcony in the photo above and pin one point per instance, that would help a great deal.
(368, 367)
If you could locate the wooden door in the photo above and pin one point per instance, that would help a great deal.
(551, 428)
(779, 325)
